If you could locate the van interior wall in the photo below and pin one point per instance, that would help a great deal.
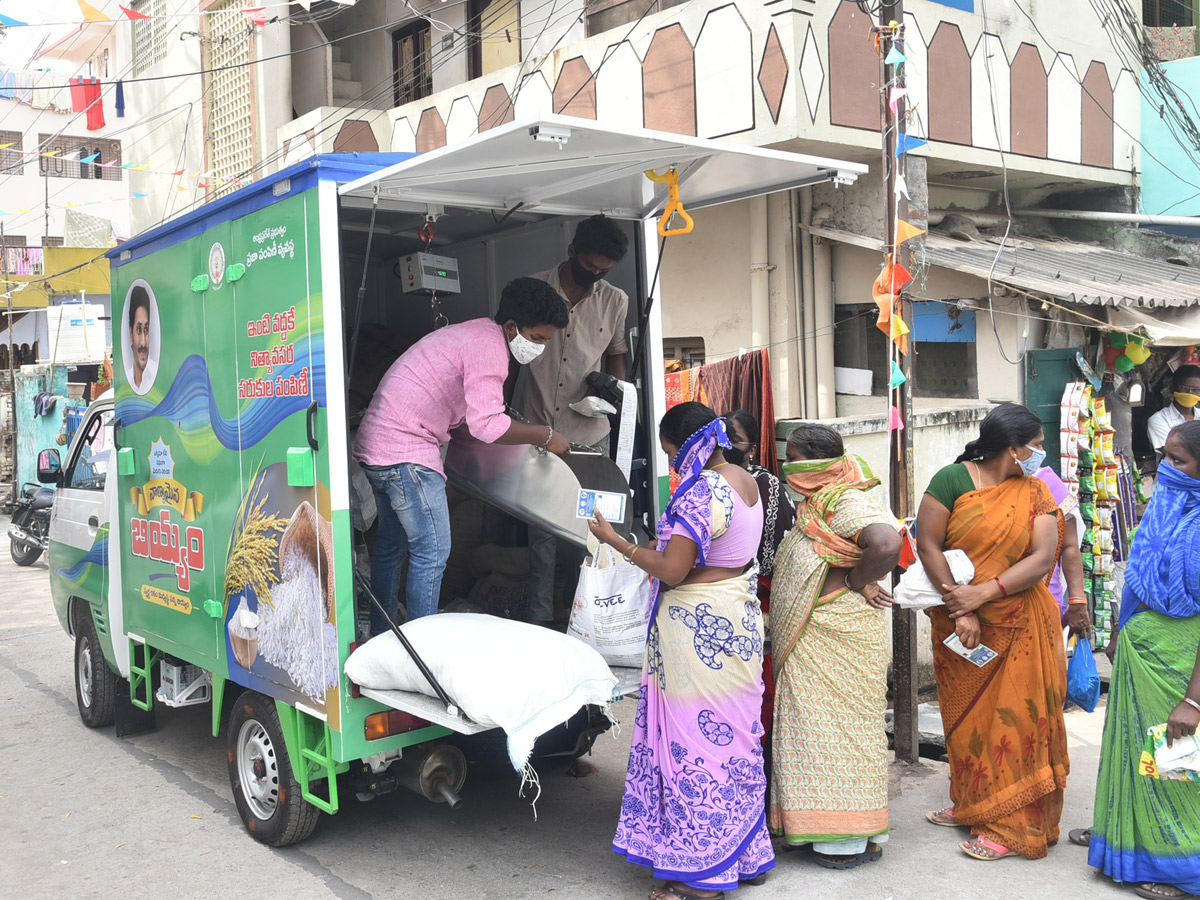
(489, 558)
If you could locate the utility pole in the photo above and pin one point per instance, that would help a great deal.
(900, 440)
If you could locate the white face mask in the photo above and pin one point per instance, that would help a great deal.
(524, 350)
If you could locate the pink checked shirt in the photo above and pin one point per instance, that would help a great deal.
(450, 376)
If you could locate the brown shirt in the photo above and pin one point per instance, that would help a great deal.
(558, 377)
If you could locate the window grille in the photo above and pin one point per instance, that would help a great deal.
(230, 98)
(150, 35)
(77, 147)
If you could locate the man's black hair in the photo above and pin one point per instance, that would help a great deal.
(530, 302)
(816, 441)
(1182, 374)
(138, 299)
(602, 236)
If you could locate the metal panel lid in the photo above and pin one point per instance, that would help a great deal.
(567, 166)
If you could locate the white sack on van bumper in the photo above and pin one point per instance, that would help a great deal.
(523, 678)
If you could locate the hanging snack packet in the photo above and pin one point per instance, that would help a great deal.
(1179, 762)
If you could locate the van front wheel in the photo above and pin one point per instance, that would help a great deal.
(265, 789)
(95, 682)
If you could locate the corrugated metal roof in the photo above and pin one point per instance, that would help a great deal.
(1080, 273)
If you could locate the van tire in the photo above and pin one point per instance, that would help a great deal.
(95, 682)
(265, 788)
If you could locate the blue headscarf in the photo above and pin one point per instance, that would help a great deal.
(1164, 565)
(691, 504)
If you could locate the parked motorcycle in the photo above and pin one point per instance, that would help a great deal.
(30, 525)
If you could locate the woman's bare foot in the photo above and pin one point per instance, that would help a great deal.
(1156, 891)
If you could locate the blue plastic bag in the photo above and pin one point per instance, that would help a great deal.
(1083, 679)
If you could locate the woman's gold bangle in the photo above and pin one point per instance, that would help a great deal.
(631, 553)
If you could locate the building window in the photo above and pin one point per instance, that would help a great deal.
(1167, 13)
(688, 351)
(229, 106)
(411, 56)
(604, 15)
(78, 148)
(150, 35)
(12, 162)
(945, 362)
(495, 29)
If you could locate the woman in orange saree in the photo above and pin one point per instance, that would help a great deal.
(1003, 720)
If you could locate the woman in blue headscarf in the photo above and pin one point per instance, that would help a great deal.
(693, 806)
(1147, 831)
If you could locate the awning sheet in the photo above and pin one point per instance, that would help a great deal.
(1078, 273)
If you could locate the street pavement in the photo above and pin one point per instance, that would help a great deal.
(85, 814)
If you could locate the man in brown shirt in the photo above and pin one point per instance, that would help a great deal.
(593, 341)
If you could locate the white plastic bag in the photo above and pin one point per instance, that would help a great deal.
(915, 590)
(612, 608)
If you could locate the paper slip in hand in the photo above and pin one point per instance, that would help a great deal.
(980, 656)
(608, 504)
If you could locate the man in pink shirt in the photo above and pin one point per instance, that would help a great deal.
(450, 377)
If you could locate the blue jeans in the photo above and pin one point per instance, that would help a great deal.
(414, 523)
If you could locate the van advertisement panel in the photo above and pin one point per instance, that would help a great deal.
(228, 551)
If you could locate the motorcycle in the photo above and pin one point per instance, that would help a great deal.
(30, 527)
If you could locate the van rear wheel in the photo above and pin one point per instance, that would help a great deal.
(265, 788)
(95, 682)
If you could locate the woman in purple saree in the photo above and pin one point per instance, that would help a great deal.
(693, 809)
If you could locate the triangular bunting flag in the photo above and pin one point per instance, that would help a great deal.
(11, 22)
(257, 15)
(107, 165)
(895, 57)
(906, 143)
(898, 378)
(127, 166)
(900, 277)
(88, 159)
(180, 187)
(895, 423)
(180, 172)
(5, 146)
(72, 205)
(905, 231)
(141, 168)
(91, 14)
(133, 13)
(894, 97)
(52, 153)
(138, 194)
(899, 327)
(305, 4)
(901, 186)
(24, 210)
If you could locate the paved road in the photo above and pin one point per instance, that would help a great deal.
(85, 814)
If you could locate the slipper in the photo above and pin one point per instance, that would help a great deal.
(682, 893)
(841, 863)
(1080, 836)
(756, 881)
(943, 817)
(1148, 891)
(872, 853)
(991, 851)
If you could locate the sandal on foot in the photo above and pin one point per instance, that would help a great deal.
(872, 853)
(943, 817)
(756, 881)
(680, 892)
(980, 847)
(1080, 836)
(839, 862)
(1155, 891)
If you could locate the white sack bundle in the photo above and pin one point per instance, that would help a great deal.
(915, 591)
(523, 678)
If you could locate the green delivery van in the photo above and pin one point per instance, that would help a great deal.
(206, 533)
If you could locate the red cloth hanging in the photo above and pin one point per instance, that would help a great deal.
(78, 95)
(95, 104)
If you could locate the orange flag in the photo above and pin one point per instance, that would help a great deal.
(905, 231)
(91, 14)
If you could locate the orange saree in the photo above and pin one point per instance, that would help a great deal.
(1004, 727)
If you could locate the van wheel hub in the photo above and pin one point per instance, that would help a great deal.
(258, 769)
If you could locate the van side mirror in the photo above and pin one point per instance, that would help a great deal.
(49, 467)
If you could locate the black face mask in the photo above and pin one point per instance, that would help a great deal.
(582, 276)
(736, 456)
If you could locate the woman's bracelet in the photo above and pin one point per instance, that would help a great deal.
(852, 587)
(631, 553)
(549, 437)
(1077, 601)
(1190, 702)
(1000, 584)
